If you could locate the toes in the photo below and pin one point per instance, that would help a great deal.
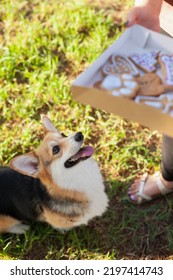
(133, 188)
(133, 197)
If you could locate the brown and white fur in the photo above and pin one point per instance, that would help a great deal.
(58, 183)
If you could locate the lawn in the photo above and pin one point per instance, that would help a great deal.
(44, 46)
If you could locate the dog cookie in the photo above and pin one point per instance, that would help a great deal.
(156, 102)
(146, 61)
(121, 85)
(150, 85)
(166, 62)
(120, 64)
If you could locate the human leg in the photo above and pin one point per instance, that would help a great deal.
(167, 158)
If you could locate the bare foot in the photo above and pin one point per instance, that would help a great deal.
(150, 188)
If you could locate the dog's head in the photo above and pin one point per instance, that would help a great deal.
(56, 153)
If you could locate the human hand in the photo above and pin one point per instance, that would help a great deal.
(145, 16)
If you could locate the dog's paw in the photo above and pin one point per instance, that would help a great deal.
(19, 229)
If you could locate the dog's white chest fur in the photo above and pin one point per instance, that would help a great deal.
(87, 179)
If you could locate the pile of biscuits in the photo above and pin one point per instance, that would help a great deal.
(136, 77)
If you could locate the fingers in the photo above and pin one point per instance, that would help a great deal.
(132, 17)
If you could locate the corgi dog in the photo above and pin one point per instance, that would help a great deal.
(58, 183)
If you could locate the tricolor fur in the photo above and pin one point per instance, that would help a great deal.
(58, 183)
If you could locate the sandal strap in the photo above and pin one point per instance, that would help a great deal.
(160, 184)
(141, 193)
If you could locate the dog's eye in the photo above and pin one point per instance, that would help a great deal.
(63, 135)
(55, 150)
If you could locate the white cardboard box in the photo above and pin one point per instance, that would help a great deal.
(135, 39)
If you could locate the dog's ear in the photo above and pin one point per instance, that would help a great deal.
(48, 125)
(26, 164)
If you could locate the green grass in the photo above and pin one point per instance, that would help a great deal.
(43, 48)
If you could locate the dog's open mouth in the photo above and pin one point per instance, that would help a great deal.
(83, 154)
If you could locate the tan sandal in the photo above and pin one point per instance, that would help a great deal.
(142, 197)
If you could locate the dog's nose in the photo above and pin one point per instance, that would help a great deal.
(78, 137)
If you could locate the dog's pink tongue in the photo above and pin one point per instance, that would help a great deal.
(85, 152)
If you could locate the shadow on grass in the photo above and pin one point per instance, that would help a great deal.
(125, 231)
